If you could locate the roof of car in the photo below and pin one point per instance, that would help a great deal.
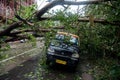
(65, 33)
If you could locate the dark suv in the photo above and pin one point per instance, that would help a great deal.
(63, 50)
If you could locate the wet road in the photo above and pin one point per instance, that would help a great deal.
(36, 69)
(20, 71)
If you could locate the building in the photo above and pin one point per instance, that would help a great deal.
(8, 7)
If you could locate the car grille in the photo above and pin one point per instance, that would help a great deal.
(63, 53)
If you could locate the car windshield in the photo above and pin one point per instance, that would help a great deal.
(55, 42)
(67, 38)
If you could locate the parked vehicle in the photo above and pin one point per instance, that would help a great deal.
(63, 50)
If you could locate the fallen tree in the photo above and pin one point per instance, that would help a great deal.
(101, 21)
(38, 16)
(63, 2)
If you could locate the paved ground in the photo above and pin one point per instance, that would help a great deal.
(19, 72)
(33, 69)
(19, 53)
(36, 69)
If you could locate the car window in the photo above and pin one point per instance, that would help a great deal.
(60, 36)
(67, 38)
(55, 43)
(74, 40)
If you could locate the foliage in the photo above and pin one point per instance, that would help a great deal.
(105, 39)
(106, 69)
(32, 39)
(3, 47)
(68, 20)
(26, 11)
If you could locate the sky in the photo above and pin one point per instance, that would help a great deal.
(42, 3)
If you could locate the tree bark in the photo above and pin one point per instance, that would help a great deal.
(10, 28)
(62, 2)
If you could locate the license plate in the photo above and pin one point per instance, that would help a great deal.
(61, 62)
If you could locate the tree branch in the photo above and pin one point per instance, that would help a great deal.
(23, 20)
(38, 15)
(81, 2)
(102, 21)
(10, 28)
(46, 8)
(62, 2)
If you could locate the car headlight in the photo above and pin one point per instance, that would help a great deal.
(51, 50)
(75, 55)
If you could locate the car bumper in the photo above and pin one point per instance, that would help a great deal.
(58, 59)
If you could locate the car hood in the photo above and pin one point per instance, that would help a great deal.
(65, 47)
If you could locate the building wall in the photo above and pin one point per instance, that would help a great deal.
(7, 7)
